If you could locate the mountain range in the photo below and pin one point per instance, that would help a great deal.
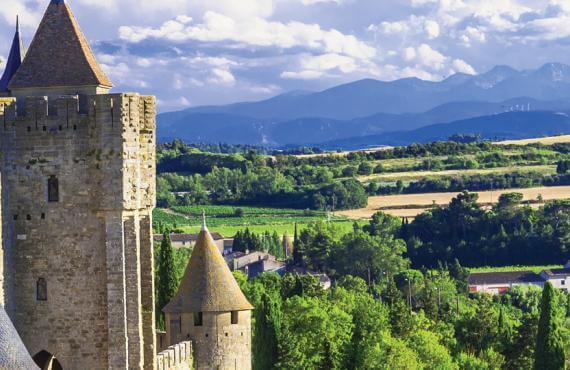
(371, 112)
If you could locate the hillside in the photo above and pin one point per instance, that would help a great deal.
(513, 125)
(235, 129)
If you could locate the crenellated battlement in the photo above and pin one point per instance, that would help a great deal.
(41, 111)
(176, 357)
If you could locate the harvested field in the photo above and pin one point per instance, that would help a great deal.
(416, 175)
(414, 204)
(543, 140)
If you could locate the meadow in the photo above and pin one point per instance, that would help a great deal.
(227, 220)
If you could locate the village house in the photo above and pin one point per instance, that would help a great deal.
(189, 240)
(500, 282)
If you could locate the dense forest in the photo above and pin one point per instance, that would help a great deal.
(400, 297)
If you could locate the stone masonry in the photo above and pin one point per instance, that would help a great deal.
(77, 197)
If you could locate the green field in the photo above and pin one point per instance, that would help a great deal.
(536, 269)
(226, 221)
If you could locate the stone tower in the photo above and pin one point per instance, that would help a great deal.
(78, 189)
(210, 310)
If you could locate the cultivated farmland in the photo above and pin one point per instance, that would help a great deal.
(410, 205)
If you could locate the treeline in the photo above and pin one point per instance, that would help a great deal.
(478, 182)
(510, 234)
(225, 148)
(267, 242)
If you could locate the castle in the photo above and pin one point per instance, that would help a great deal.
(78, 175)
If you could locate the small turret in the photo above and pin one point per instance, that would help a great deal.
(211, 310)
(14, 60)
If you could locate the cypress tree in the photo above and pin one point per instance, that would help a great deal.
(268, 317)
(166, 282)
(549, 354)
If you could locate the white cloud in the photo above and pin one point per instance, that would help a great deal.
(313, 2)
(428, 57)
(432, 29)
(462, 66)
(302, 75)
(222, 76)
(216, 27)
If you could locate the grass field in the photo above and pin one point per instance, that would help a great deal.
(226, 221)
(536, 269)
(376, 204)
(417, 175)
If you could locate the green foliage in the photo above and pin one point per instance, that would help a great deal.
(549, 354)
(315, 335)
(509, 235)
(166, 280)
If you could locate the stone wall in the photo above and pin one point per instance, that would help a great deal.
(218, 343)
(93, 246)
(176, 357)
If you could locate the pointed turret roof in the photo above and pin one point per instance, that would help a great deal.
(13, 353)
(59, 55)
(14, 59)
(208, 284)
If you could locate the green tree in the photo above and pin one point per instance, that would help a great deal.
(549, 354)
(316, 335)
(267, 329)
(166, 284)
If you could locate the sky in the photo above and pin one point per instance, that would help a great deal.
(211, 52)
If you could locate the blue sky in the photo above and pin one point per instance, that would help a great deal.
(197, 52)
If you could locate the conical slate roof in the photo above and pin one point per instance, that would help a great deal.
(59, 54)
(14, 59)
(13, 353)
(208, 284)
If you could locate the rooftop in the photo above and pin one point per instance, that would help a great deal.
(504, 277)
(557, 272)
(59, 54)
(14, 59)
(208, 284)
(185, 237)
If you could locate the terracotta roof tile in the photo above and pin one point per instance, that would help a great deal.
(59, 55)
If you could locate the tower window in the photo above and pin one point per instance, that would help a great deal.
(234, 317)
(198, 320)
(41, 289)
(53, 189)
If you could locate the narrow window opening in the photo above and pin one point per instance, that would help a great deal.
(29, 129)
(15, 217)
(41, 289)
(53, 189)
(198, 319)
(234, 317)
(43, 216)
(28, 217)
(44, 128)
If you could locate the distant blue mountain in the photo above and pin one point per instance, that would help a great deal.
(411, 95)
(370, 107)
(512, 125)
(235, 129)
